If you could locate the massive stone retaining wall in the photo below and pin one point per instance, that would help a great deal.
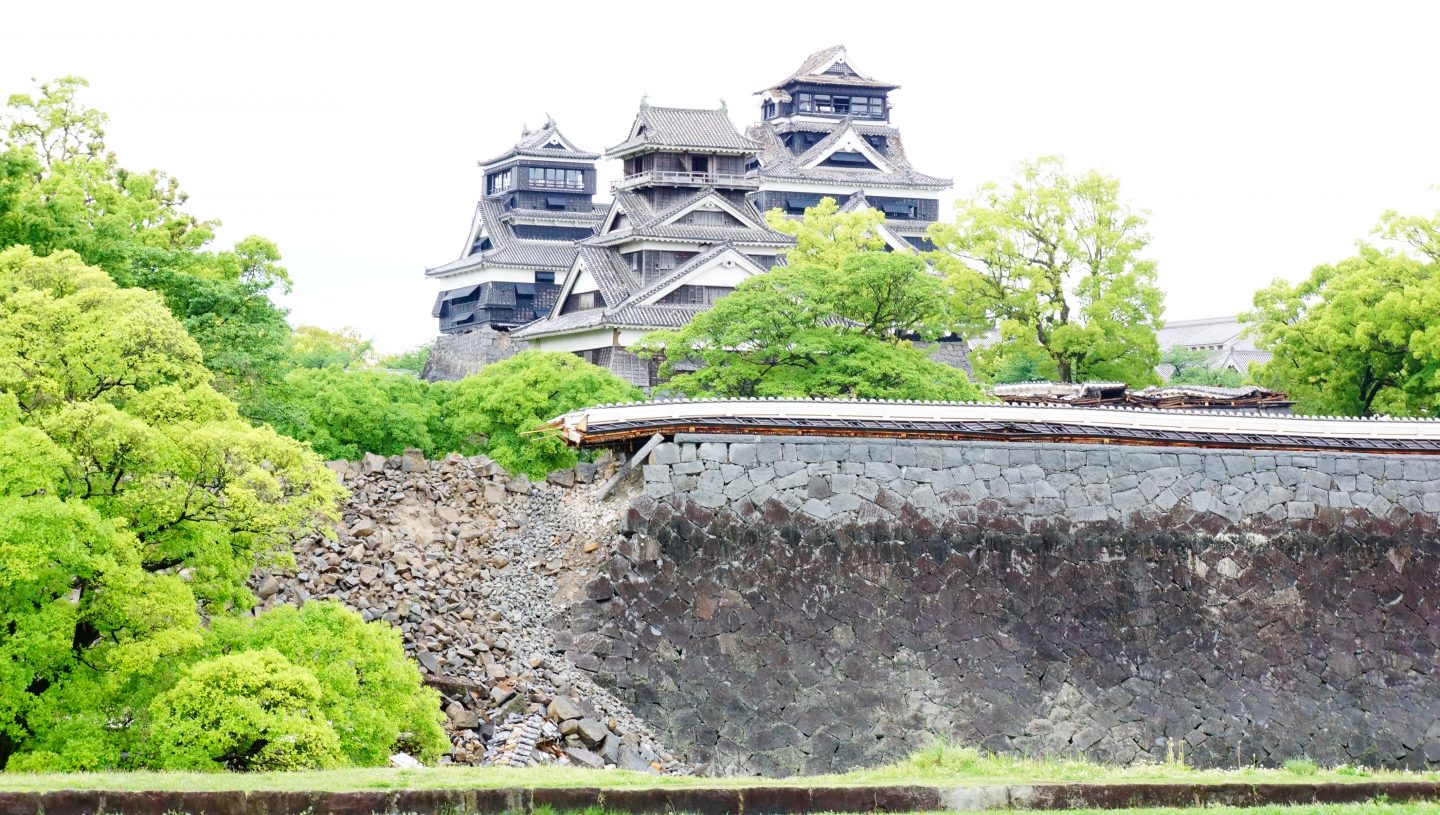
(798, 604)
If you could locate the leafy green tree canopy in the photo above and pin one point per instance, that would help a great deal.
(500, 409)
(413, 360)
(254, 710)
(839, 319)
(134, 495)
(1054, 260)
(314, 347)
(346, 414)
(1359, 337)
(61, 189)
(369, 689)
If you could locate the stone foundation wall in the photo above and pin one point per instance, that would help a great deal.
(789, 605)
(456, 356)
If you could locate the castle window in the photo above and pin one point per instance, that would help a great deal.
(848, 158)
(544, 277)
(500, 182)
(767, 110)
(709, 218)
(556, 178)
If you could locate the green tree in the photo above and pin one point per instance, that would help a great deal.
(345, 414)
(368, 686)
(248, 711)
(827, 237)
(61, 189)
(838, 319)
(134, 496)
(501, 409)
(1359, 337)
(1191, 366)
(413, 360)
(1055, 261)
(313, 347)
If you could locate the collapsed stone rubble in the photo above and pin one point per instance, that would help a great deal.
(471, 564)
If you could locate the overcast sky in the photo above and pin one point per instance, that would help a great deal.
(1263, 138)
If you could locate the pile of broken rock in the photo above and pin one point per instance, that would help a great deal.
(471, 564)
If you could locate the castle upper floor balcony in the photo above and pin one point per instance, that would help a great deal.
(687, 178)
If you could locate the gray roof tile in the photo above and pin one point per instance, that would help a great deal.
(532, 143)
(778, 163)
(811, 70)
(508, 250)
(699, 128)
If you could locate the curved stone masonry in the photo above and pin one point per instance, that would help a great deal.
(815, 604)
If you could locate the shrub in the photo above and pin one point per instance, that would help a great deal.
(369, 690)
(499, 407)
(247, 711)
(1301, 766)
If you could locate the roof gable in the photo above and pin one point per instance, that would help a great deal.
(726, 256)
(709, 200)
(831, 66)
(844, 140)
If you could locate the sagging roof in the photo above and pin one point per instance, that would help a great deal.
(683, 128)
(997, 421)
(1187, 397)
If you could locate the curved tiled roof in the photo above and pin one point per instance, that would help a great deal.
(698, 128)
(532, 143)
(821, 68)
(508, 250)
(777, 162)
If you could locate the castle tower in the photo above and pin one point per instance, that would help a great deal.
(537, 202)
(678, 236)
(826, 133)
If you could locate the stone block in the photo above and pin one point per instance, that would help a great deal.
(666, 453)
(881, 471)
(714, 451)
(743, 454)
(655, 472)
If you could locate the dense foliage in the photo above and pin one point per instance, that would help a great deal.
(1055, 261)
(413, 360)
(368, 687)
(133, 498)
(1360, 337)
(500, 409)
(248, 711)
(61, 189)
(345, 414)
(839, 319)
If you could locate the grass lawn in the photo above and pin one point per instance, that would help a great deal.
(1305, 809)
(941, 765)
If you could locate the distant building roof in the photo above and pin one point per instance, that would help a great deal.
(1225, 338)
(683, 128)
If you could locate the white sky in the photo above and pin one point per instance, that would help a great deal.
(1263, 138)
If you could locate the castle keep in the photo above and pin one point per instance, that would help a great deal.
(545, 267)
